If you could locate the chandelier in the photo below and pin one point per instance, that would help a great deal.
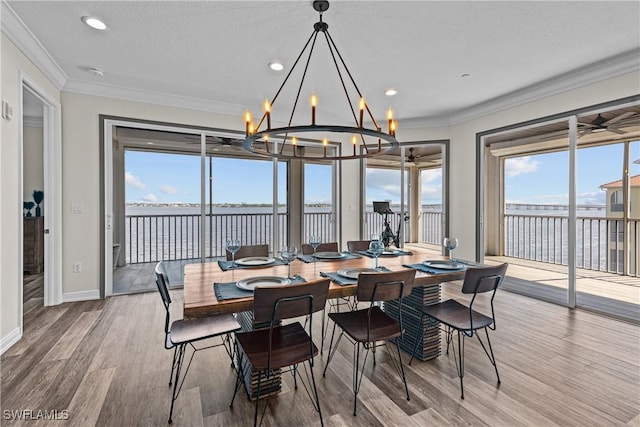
(313, 140)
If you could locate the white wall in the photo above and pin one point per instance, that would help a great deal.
(81, 173)
(13, 63)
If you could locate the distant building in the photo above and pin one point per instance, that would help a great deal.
(615, 209)
(614, 197)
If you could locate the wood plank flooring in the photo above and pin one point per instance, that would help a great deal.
(105, 364)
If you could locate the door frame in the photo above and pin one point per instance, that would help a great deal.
(52, 177)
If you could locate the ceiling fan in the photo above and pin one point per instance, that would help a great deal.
(602, 124)
(219, 141)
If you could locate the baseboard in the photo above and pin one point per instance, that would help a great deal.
(80, 296)
(7, 342)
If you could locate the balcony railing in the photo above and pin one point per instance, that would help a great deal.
(599, 241)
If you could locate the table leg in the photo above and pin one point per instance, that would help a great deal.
(268, 387)
(429, 347)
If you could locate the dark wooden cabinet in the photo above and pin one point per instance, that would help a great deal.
(33, 233)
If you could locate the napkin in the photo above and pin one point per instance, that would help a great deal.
(399, 253)
(311, 258)
(342, 281)
(229, 265)
(431, 270)
(229, 290)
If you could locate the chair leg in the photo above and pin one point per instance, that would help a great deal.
(323, 333)
(238, 377)
(295, 380)
(315, 392)
(419, 340)
(460, 362)
(356, 355)
(449, 337)
(173, 364)
(255, 416)
(489, 353)
(174, 394)
(404, 378)
(331, 353)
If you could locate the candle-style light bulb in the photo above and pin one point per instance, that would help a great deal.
(294, 143)
(392, 130)
(354, 142)
(267, 110)
(266, 143)
(390, 118)
(324, 146)
(314, 102)
(247, 121)
(251, 129)
(362, 105)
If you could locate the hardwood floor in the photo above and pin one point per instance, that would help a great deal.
(104, 363)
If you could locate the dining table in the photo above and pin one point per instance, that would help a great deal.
(200, 298)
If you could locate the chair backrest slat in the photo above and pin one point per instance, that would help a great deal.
(483, 279)
(307, 249)
(288, 302)
(385, 286)
(250, 250)
(358, 245)
(162, 281)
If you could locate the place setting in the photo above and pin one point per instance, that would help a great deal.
(316, 256)
(244, 288)
(233, 246)
(441, 266)
(349, 276)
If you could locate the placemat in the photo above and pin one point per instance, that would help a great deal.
(229, 290)
(310, 258)
(342, 281)
(228, 265)
(431, 270)
(399, 253)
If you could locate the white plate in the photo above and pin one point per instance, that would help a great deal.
(253, 261)
(391, 252)
(352, 273)
(263, 282)
(329, 255)
(444, 265)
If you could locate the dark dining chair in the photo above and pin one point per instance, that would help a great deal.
(182, 333)
(358, 245)
(367, 326)
(463, 319)
(249, 250)
(307, 249)
(279, 346)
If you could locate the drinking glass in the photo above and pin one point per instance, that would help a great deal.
(288, 254)
(450, 244)
(314, 241)
(233, 246)
(376, 247)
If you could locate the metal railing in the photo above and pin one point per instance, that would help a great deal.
(151, 238)
(599, 241)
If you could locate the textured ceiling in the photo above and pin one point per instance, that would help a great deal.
(217, 51)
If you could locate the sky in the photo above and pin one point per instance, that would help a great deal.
(540, 179)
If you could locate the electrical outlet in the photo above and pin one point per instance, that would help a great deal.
(77, 267)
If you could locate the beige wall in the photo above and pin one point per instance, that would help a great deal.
(81, 173)
(13, 63)
(33, 169)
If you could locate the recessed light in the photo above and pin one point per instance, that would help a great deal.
(276, 66)
(94, 23)
(390, 92)
(150, 143)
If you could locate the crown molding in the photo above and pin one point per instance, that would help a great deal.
(150, 97)
(604, 69)
(30, 46)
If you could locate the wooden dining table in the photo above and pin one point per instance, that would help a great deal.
(200, 299)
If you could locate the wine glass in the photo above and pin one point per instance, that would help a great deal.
(450, 244)
(376, 247)
(233, 246)
(288, 254)
(314, 241)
